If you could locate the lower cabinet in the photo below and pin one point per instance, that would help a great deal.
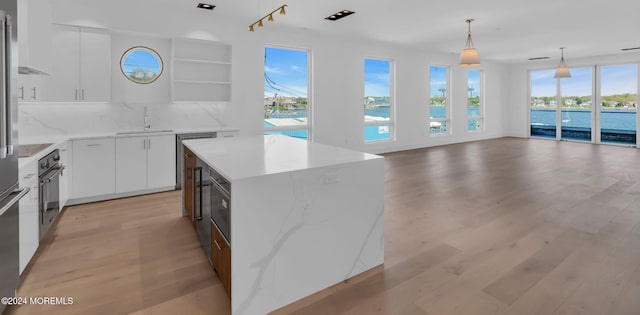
(221, 258)
(94, 166)
(145, 162)
(29, 228)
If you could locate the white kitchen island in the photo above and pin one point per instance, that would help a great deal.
(304, 216)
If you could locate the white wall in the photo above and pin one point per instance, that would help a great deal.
(517, 115)
(338, 73)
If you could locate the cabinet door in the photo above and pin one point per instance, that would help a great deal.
(32, 88)
(65, 177)
(63, 81)
(93, 167)
(221, 258)
(161, 161)
(34, 32)
(131, 164)
(95, 65)
(29, 228)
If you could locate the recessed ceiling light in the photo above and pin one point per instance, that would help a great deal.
(632, 48)
(537, 58)
(206, 6)
(338, 15)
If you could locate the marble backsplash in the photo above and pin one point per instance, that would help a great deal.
(41, 119)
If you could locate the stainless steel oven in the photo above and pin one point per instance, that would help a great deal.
(49, 201)
(220, 194)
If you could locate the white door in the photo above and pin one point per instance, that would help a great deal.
(161, 161)
(63, 81)
(131, 164)
(95, 65)
(93, 167)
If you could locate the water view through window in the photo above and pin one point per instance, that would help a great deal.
(615, 118)
(438, 100)
(286, 85)
(377, 100)
(618, 90)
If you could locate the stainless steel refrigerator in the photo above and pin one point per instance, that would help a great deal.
(10, 193)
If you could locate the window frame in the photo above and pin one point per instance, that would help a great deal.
(481, 98)
(392, 100)
(310, 104)
(447, 102)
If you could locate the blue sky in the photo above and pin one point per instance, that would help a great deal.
(438, 79)
(141, 59)
(376, 77)
(288, 69)
(617, 79)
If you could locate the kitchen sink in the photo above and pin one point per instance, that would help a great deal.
(135, 132)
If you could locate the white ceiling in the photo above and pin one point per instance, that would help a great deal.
(504, 30)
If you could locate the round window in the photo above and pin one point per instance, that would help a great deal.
(141, 64)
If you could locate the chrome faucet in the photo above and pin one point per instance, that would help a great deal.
(147, 124)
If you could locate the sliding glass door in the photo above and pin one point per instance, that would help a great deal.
(543, 103)
(618, 103)
(597, 104)
(576, 102)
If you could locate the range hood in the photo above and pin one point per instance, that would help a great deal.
(29, 70)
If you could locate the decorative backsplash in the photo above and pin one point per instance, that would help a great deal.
(41, 119)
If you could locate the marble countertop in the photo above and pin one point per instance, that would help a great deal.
(252, 156)
(57, 140)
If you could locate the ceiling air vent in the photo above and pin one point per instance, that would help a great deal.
(632, 48)
(537, 58)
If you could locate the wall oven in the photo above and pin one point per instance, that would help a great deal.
(49, 189)
(220, 195)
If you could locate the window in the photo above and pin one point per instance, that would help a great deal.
(287, 105)
(438, 100)
(543, 103)
(618, 103)
(576, 101)
(378, 100)
(475, 104)
(613, 119)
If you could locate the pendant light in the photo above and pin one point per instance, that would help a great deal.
(562, 71)
(469, 55)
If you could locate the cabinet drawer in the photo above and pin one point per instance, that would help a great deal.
(221, 258)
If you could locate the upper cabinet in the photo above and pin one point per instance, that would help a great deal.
(34, 36)
(81, 69)
(201, 71)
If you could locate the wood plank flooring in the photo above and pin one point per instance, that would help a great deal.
(503, 226)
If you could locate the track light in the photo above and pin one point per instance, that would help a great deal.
(269, 17)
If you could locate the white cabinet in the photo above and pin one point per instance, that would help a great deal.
(34, 34)
(32, 88)
(161, 162)
(81, 70)
(65, 175)
(145, 162)
(29, 235)
(93, 170)
(201, 71)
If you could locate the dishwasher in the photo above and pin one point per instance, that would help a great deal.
(180, 151)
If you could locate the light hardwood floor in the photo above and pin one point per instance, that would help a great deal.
(504, 226)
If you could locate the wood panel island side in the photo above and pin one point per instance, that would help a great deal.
(303, 216)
